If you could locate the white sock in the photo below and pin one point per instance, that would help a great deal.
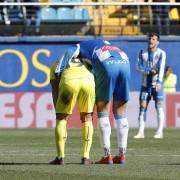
(105, 129)
(141, 121)
(160, 119)
(122, 134)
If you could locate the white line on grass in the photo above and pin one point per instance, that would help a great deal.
(22, 144)
(46, 152)
(156, 155)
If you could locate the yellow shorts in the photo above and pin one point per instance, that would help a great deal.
(76, 85)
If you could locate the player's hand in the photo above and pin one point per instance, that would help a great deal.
(158, 87)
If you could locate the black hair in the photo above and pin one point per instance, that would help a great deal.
(168, 68)
(154, 34)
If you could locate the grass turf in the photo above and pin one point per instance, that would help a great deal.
(25, 153)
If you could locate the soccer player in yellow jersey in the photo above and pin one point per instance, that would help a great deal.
(76, 83)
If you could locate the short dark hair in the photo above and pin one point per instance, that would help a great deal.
(154, 34)
(168, 68)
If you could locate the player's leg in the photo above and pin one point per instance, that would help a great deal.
(60, 138)
(104, 92)
(122, 128)
(65, 103)
(121, 97)
(87, 136)
(144, 99)
(86, 100)
(160, 114)
(141, 120)
(160, 120)
(55, 91)
(105, 131)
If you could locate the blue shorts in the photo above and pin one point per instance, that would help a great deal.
(112, 80)
(149, 92)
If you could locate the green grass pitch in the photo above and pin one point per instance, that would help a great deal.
(25, 153)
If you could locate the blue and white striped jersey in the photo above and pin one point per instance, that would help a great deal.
(151, 61)
(90, 52)
(94, 50)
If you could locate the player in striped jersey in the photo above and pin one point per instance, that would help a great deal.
(151, 64)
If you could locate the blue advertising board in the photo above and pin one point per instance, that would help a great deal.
(25, 66)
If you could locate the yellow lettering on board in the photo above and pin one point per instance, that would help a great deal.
(41, 67)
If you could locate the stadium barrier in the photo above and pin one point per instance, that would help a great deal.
(25, 97)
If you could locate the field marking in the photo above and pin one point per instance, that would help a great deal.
(22, 144)
(155, 155)
(39, 153)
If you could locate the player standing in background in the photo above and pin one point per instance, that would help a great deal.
(112, 70)
(75, 83)
(170, 80)
(151, 64)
